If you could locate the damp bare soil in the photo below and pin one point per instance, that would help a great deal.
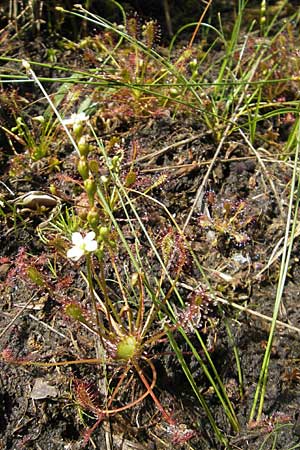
(38, 408)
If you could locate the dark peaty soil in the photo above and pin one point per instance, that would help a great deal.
(38, 408)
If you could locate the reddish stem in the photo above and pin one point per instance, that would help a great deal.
(166, 416)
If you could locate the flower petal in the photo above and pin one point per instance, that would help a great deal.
(81, 117)
(75, 253)
(67, 121)
(76, 119)
(89, 237)
(91, 246)
(77, 239)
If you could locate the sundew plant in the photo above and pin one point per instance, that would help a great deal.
(143, 260)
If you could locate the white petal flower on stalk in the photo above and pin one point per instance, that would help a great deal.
(82, 245)
(76, 118)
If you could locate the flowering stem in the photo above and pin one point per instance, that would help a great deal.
(110, 309)
(93, 299)
(127, 307)
(32, 75)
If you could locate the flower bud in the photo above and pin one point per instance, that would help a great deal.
(93, 217)
(83, 167)
(103, 233)
(78, 129)
(83, 146)
(90, 187)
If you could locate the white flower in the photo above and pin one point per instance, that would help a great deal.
(82, 245)
(76, 118)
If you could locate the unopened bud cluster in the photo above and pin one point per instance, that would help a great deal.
(84, 148)
(86, 168)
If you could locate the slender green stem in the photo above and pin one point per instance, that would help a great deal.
(237, 359)
(287, 249)
(128, 310)
(110, 309)
(91, 292)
